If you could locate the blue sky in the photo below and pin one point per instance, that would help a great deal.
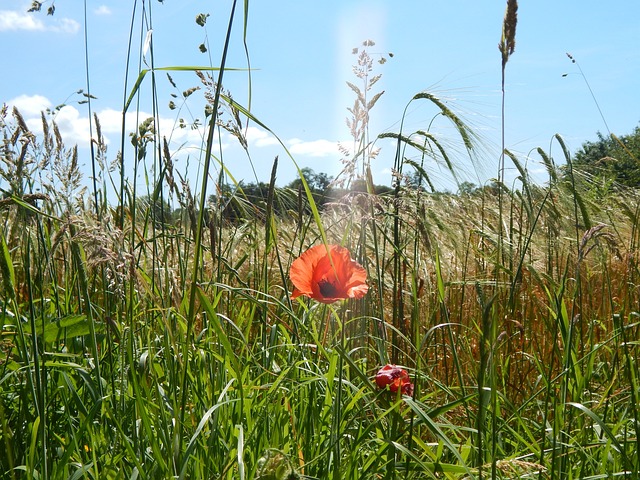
(302, 55)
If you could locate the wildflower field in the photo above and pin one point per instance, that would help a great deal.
(189, 331)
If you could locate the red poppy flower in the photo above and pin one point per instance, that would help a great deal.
(327, 274)
(396, 378)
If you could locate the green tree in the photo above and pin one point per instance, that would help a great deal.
(467, 188)
(611, 159)
(319, 184)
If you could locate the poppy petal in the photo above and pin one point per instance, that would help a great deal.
(302, 268)
(350, 273)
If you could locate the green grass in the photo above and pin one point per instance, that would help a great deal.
(139, 342)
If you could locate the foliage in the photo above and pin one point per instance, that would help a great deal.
(613, 160)
(249, 200)
(318, 182)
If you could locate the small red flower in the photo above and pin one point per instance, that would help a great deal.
(327, 274)
(396, 378)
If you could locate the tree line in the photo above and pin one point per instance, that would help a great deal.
(602, 166)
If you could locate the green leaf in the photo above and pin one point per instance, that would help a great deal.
(201, 19)
(605, 429)
(70, 326)
(6, 268)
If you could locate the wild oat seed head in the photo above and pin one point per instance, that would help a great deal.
(507, 43)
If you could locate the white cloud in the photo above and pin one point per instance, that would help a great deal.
(111, 125)
(102, 10)
(110, 121)
(179, 139)
(260, 138)
(65, 25)
(73, 124)
(74, 129)
(187, 135)
(314, 148)
(267, 142)
(30, 105)
(11, 20)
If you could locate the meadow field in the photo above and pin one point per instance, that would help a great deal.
(404, 334)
